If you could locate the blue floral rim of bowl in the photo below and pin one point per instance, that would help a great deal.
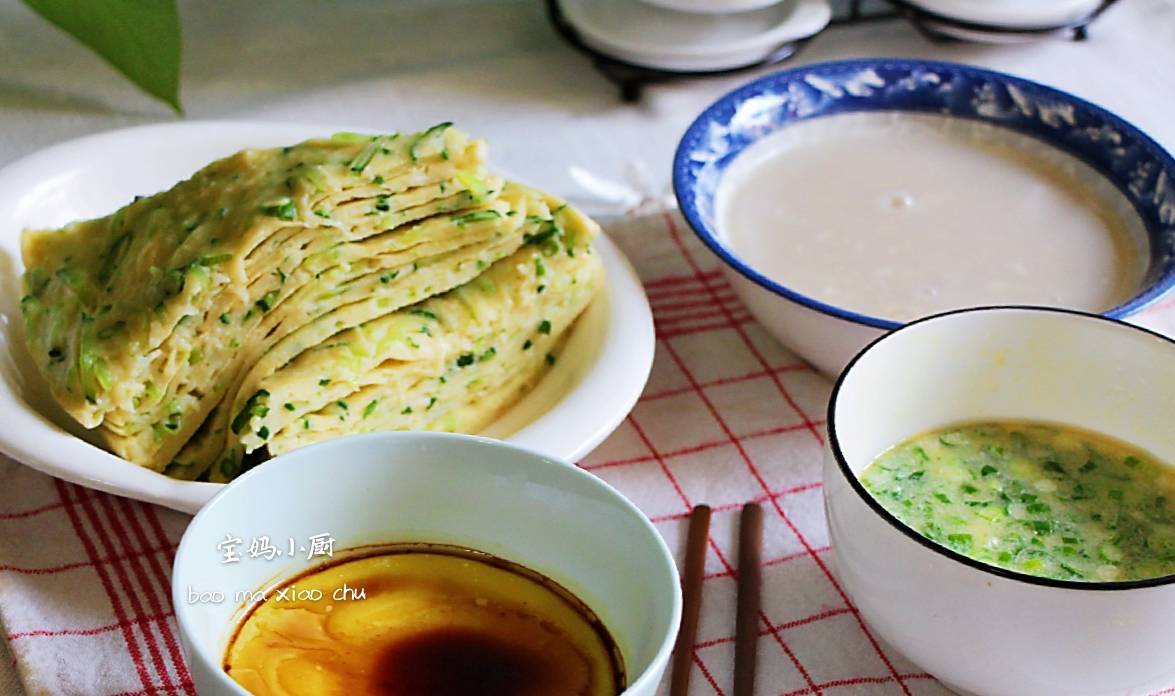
(1138, 166)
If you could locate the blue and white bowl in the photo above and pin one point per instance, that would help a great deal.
(829, 336)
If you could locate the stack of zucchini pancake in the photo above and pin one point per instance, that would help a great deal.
(284, 296)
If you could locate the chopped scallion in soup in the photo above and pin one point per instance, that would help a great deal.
(1051, 501)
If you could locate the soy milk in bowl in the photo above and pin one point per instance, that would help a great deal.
(899, 215)
(847, 199)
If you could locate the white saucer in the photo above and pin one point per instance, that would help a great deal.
(1012, 14)
(1003, 37)
(713, 6)
(654, 37)
(598, 378)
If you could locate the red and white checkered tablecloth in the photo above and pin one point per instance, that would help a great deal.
(728, 416)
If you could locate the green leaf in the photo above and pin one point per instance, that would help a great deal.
(141, 38)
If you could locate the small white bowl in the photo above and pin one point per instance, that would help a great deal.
(600, 374)
(430, 487)
(978, 628)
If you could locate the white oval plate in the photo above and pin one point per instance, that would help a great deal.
(599, 376)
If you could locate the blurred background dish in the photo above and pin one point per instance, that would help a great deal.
(1012, 14)
(647, 35)
(956, 31)
(632, 72)
(713, 6)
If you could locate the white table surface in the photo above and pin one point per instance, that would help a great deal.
(497, 70)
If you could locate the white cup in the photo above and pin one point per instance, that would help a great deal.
(467, 491)
(981, 629)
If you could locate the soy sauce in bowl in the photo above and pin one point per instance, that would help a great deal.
(411, 619)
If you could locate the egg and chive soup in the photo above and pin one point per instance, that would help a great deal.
(1047, 500)
(424, 620)
(283, 296)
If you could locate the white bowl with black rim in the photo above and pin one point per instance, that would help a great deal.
(979, 628)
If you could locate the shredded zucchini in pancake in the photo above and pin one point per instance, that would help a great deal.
(284, 296)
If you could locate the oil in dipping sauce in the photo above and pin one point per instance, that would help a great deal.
(433, 620)
(898, 215)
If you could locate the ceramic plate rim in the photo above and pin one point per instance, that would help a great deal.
(566, 432)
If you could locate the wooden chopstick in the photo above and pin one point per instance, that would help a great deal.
(691, 588)
(746, 634)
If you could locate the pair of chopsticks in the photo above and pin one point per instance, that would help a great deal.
(746, 634)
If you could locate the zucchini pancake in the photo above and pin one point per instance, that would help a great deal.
(284, 296)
